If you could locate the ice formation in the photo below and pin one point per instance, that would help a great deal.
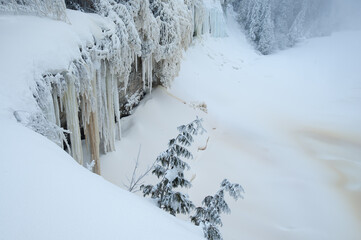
(142, 41)
(54, 9)
(209, 18)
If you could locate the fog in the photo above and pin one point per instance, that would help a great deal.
(346, 14)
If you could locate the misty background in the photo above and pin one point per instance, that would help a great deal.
(273, 25)
(347, 14)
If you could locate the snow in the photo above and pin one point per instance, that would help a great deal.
(45, 194)
(30, 47)
(33, 44)
(285, 126)
(91, 80)
(171, 174)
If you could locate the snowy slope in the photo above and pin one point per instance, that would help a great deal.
(285, 126)
(31, 46)
(45, 194)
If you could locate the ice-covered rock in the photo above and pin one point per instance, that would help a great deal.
(132, 41)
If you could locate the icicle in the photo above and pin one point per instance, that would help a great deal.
(213, 19)
(91, 129)
(206, 27)
(197, 19)
(57, 114)
(144, 65)
(208, 18)
(56, 108)
(117, 113)
(71, 109)
(45, 99)
(105, 83)
(110, 116)
(102, 104)
(150, 80)
(147, 73)
(217, 22)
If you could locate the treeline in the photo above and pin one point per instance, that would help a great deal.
(277, 24)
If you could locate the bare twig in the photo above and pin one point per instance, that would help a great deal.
(205, 147)
(135, 182)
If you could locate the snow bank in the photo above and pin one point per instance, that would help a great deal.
(286, 127)
(47, 195)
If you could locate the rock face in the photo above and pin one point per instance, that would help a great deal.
(134, 92)
(83, 5)
(136, 45)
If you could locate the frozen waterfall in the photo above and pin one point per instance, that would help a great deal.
(210, 19)
(134, 49)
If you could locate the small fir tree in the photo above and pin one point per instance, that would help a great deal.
(209, 214)
(170, 168)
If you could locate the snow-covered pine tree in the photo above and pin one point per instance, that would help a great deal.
(266, 41)
(277, 24)
(209, 214)
(170, 169)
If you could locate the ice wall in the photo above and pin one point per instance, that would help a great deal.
(139, 42)
(209, 18)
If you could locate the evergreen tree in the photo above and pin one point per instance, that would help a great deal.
(277, 24)
(170, 169)
(266, 41)
(209, 214)
(297, 29)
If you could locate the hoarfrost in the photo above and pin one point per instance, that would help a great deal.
(148, 37)
(54, 9)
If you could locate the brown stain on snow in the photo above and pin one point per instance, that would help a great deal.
(341, 154)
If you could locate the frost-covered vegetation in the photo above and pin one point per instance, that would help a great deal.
(137, 42)
(209, 215)
(54, 9)
(278, 24)
(170, 169)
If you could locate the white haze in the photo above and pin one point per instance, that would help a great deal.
(347, 15)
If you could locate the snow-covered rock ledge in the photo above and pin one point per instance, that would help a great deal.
(89, 70)
(79, 75)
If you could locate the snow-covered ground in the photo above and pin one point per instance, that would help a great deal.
(285, 126)
(44, 193)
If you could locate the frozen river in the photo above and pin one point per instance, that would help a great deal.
(285, 126)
